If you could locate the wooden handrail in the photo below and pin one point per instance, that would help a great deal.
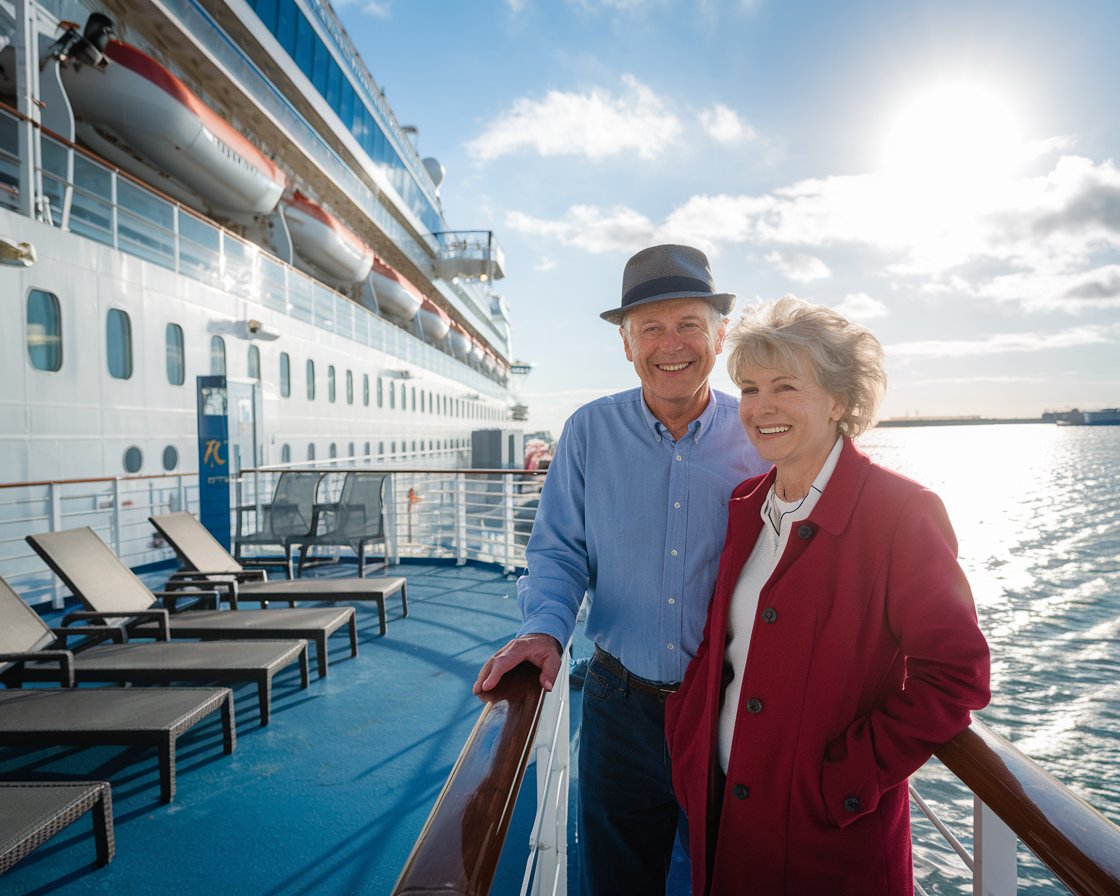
(1073, 839)
(457, 851)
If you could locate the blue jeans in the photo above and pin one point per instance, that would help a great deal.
(627, 810)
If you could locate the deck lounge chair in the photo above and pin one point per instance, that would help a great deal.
(31, 813)
(204, 559)
(285, 522)
(356, 520)
(91, 717)
(26, 654)
(110, 590)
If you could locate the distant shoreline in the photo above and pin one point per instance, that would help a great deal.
(958, 421)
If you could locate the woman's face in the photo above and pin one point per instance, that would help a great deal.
(791, 420)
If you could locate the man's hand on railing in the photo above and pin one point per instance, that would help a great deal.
(543, 651)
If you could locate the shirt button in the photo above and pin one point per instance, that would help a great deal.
(754, 706)
(740, 791)
(672, 600)
(677, 504)
(805, 531)
(769, 615)
(670, 646)
(851, 804)
(673, 552)
(679, 457)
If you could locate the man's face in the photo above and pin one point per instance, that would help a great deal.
(673, 346)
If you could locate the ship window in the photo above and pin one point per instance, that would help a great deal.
(286, 26)
(305, 40)
(321, 62)
(266, 10)
(414, 398)
(333, 451)
(133, 459)
(330, 383)
(380, 397)
(118, 344)
(44, 330)
(285, 453)
(176, 372)
(392, 449)
(254, 363)
(365, 390)
(349, 387)
(311, 451)
(334, 84)
(217, 356)
(422, 401)
(352, 451)
(381, 450)
(310, 380)
(285, 375)
(368, 457)
(392, 395)
(170, 458)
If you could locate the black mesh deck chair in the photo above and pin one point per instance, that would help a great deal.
(30, 650)
(356, 520)
(111, 591)
(32, 812)
(285, 522)
(95, 717)
(204, 560)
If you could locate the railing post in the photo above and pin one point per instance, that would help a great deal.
(507, 524)
(115, 519)
(392, 551)
(460, 519)
(994, 872)
(549, 848)
(55, 500)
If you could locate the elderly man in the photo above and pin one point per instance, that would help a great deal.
(633, 513)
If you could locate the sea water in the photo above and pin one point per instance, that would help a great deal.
(1036, 509)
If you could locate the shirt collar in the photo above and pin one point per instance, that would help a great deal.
(700, 425)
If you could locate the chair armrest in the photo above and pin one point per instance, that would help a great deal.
(156, 614)
(118, 634)
(206, 597)
(64, 658)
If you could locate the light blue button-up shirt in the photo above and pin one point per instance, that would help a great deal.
(637, 520)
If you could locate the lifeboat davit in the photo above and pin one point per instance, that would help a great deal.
(396, 296)
(139, 116)
(459, 341)
(321, 240)
(434, 321)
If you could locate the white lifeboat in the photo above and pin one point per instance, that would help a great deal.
(477, 351)
(322, 241)
(460, 341)
(138, 115)
(396, 296)
(434, 321)
(489, 362)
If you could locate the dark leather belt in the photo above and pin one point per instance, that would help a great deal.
(658, 689)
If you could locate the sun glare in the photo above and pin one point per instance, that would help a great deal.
(960, 133)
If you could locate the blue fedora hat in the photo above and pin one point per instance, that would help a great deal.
(660, 273)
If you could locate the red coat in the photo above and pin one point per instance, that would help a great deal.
(864, 658)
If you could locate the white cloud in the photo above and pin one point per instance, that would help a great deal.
(596, 125)
(545, 264)
(708, 221)
(860, 306)
(799, 266)
(1000, 343)
(724, 126)
(590, 228)
(378, 9)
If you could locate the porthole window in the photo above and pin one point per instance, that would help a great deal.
(118, 344)
(253, 365)
(44, 330)
(133, 459)
(310, 380)
(285, 375)
(176, 367)
(217, 356)
(170, 458)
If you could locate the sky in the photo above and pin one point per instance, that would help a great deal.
(943, 173)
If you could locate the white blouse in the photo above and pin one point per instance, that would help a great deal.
(778, 519)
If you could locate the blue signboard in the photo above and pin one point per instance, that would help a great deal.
(214, 472)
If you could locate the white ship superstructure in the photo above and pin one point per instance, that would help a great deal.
(203, 187)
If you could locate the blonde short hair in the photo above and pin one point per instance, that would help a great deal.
(846, 359)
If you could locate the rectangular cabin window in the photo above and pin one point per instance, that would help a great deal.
(350, 391)
(253, 367)
(267, 11)
(331, 395)
(285, 375)
(305, 43)
(176, 367)
(217, 356)
(310, 380)
(365, 393)
(44, 330)
(286, 26)
(118, 344)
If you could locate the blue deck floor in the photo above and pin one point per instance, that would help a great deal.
(329, 797)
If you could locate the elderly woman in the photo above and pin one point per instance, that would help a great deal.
(841, 647)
